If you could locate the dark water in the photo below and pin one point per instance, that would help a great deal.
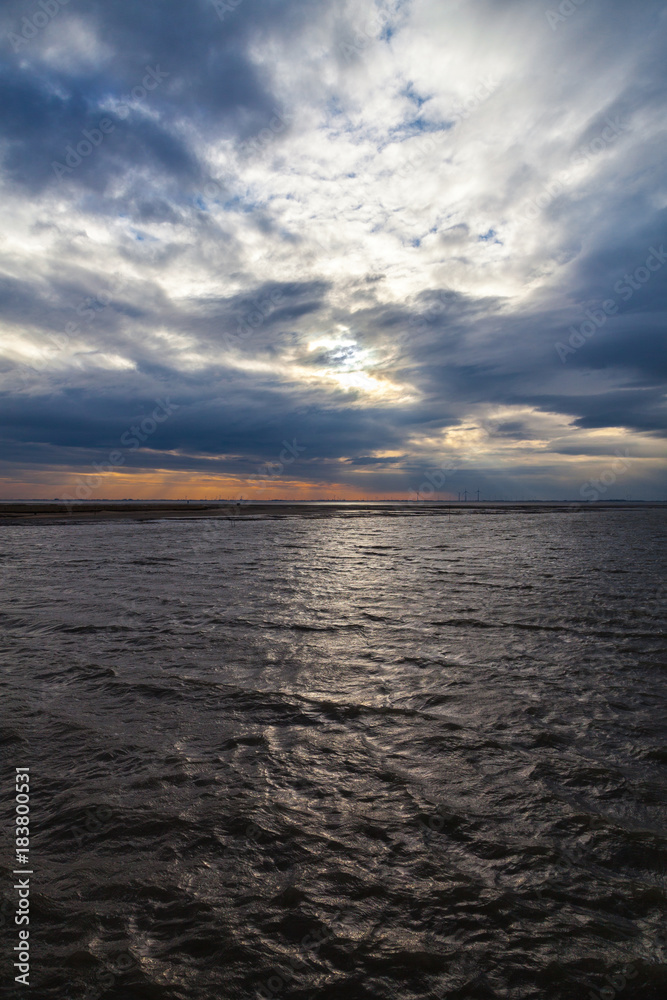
(392, 757)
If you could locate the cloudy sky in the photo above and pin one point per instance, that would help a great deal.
(420, 242)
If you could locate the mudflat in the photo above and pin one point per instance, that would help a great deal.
(24, 512)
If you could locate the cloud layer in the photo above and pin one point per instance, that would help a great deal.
(425, 240)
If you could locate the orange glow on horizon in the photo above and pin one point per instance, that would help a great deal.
(54, 484)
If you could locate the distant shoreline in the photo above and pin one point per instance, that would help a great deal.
(44, 512)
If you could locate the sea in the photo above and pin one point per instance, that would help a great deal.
(347, 757)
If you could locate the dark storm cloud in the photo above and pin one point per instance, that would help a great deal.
(201, 72)
(243, 421)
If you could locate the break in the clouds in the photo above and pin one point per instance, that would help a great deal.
(297, 249)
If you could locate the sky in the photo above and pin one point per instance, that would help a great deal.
(336, 249)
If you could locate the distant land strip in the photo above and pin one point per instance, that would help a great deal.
(34, 512)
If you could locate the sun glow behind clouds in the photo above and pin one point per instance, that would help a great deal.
(350, 366)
